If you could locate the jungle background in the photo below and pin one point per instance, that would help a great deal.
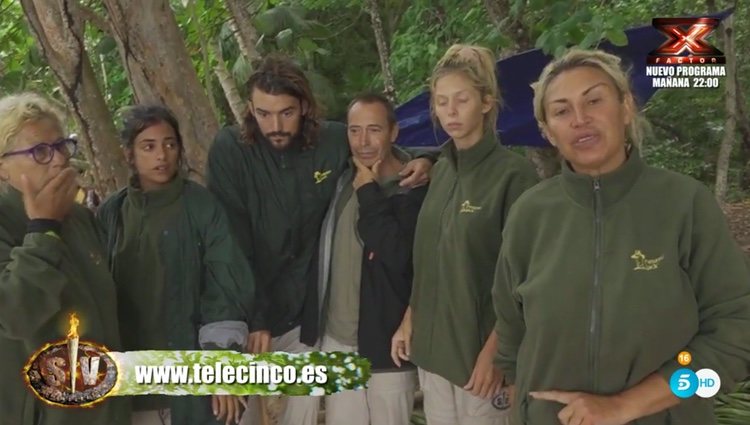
(98, 56)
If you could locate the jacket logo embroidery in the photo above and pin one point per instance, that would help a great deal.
(95, 258)
(466, 207)
(319, 176)
(643, 263)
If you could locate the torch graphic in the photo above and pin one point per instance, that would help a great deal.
(73, 350)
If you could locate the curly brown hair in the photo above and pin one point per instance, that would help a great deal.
(279, 75)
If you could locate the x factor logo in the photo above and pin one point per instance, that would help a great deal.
(687, 39)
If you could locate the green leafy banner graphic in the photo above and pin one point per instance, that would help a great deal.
(230, 372)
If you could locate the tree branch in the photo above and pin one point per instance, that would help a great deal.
(383, 49)
(241, 24)
(90, 16)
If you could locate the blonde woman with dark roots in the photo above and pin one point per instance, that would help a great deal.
(612, 268)
(447, 330)
(52, 261)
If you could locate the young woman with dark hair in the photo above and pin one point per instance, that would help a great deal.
(182, 282)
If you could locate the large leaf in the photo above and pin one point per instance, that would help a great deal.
(617, 37)
(418, 418)
(316, 30)
(734, 408)
(13, 80)
(285, 38)
(274, 20)
(590, 40)
(323, 90)
(105, 45)
(306, 45)
(270, 21)
(35, 57)
(241, 69)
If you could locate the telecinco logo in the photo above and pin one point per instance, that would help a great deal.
(685, 383)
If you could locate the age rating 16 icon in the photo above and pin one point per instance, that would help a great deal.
(685, 383)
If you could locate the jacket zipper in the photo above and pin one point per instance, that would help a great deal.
(449, 203)
(594, 329)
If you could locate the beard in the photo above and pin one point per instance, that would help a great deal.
(283, 140)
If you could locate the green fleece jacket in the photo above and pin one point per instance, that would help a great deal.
(276, 201)
(42, 280)
(455, 250)
(603, 281)
(207, 287)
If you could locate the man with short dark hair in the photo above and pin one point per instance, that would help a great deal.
(276, 176)
(365, 266)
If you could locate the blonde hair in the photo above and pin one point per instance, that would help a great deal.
(20, 109)
(478, 65)
(603, 61)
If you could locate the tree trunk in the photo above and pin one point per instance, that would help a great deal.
(744, 179)
(241, 24)
(383, 50)
(743, 124)
(58, 29)
(743, 119)
(227, 82)
(160, 71)
(727, 141)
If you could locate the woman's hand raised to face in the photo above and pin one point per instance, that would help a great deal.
(54, 199)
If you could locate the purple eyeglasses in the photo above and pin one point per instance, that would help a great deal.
(44, 152)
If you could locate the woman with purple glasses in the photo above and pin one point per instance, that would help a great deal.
(51, 261)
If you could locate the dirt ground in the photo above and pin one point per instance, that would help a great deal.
(738, 215)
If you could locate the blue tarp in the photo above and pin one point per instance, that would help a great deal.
(516, 124)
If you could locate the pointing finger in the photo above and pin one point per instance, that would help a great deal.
(564, 397)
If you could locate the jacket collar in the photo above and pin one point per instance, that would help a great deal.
(156, 198)
(466, 159)
(613, 186)
(13, 210)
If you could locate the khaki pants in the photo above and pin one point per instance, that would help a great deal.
(299, 410)
(152, 417)
(447, 404)
(388, 399)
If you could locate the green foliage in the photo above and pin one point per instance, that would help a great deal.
(734, 408)
(673, 155)
(22, 66)
(334, 42)
(105, 59)
(418, 419)
(427, 29)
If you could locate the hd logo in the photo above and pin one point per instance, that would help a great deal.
(685, 383)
